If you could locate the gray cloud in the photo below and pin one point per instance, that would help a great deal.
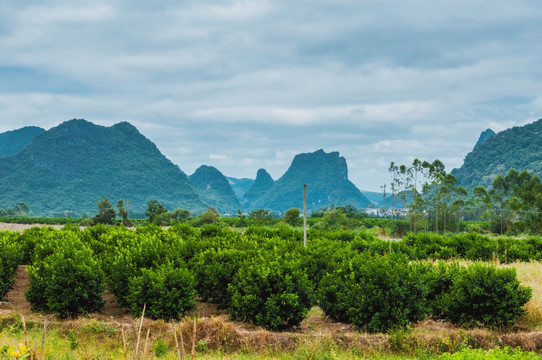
(247, 84)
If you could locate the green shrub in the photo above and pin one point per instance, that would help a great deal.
(129, 254)
(484, 295)
(168, 292)
(273, 293)
(375, 293)
(68, 281)
(11, 255)
(160, 348)
(214, 271)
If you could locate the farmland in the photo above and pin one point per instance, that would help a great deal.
(259, 292)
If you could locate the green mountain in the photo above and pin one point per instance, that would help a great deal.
(327, 177)
(74, 165)
(11, 142)
(240, 186)
(519, 148)
(263, 183)
(215, 190)
(485, 135)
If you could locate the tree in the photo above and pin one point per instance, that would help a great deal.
(209, 217)
(292, 217)
(106, 213)
(154, 209)
(180, 215)
(123, 213)
(261, 216)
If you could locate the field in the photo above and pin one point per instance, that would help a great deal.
(209, 333)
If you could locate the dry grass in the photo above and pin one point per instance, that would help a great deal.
(530, 274)
(100, 335)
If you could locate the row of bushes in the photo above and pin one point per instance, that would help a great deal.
(379, 293)
(264, 275)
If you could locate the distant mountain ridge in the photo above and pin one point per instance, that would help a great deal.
(68, 168)
(11, 142)
(327, 177)
(263, 183)
(72, 166)
(215, 189)
(240, 186)
(519, 147)
(484, 136)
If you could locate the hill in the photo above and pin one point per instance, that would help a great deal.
(72, 166)
(327, 177)
(214, 189)
(11, 142)
(263, 183)
(519, 148)
(485, 135)
(240, 186)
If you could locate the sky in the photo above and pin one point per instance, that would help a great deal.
(243, 85)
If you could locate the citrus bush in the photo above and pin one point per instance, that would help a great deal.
(167, 291)
(214, 271)
(273, 293)
(375, 293)
(11, 255)
(68, 281)
(482, 294)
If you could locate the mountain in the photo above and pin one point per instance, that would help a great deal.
(74, 165)
(11, 142)
(240, 186)
(485, 135)
(327, 177)
(214, 189)
(377, 200)
(519, 147)
(263, 183)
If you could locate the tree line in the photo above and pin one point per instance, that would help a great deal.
(435, 201)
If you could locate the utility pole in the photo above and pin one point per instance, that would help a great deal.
(305, 215)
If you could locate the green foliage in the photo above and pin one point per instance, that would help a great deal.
(211, 216)
(271, 292)
(261, 217)
(292, 217)
(11, 142)
(11, 255)
(326, 174)
(214, 189)
(167, 291)
(484, 295)
(214, 270)
(106, 213)
(129, 252)
(65, 279)
(154, 210)
(88, 162)
(160, 348)
(375, 293)
(506, 353)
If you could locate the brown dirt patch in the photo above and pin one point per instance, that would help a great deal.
(16, 300)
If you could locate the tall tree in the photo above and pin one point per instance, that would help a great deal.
(106, 213)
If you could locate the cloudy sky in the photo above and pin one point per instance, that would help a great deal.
(243, 85)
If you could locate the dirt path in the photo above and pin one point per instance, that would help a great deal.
(21, 227)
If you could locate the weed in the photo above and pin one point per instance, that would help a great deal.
(160, 348)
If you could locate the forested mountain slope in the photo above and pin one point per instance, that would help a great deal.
(72, 166)
(215, 190)
(327, 177)
(519, 148)
(11, 142)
